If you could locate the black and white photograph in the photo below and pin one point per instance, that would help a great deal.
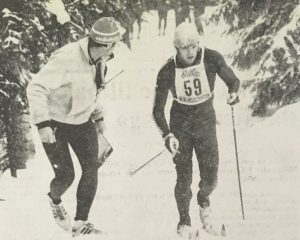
(149, 119)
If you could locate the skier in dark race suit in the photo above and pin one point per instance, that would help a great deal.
(190, 77)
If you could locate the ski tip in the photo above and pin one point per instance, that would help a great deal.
(223, 232)
(197, 235)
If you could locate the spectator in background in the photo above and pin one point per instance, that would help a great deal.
(162, 9)
(199, 8)
(136, 9)
(182, 11)
(186, 8)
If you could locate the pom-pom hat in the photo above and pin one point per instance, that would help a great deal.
(105, 31)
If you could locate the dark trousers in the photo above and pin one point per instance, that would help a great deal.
(197, 18)
(83, 140)
(179, 17)
(205, 144)
(162, 17)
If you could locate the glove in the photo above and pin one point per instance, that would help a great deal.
(233, 98)
(47, 135)
(172, 144)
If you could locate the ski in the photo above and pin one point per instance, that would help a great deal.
(214, 232)
(196, 235)
(223, 231)
(192, 235)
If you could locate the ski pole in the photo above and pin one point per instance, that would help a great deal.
(114, 77)
(146, 163)
(237, 161)
(105, 83)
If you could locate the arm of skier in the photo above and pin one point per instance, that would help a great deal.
(160, 99)
(230, 79)
(49, 78)
(98, 115)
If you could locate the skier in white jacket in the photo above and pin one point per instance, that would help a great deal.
(65, 106)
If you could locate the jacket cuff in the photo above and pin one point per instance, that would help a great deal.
(96, 115)
(99, 119)
(43, 124)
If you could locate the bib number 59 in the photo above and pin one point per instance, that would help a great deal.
(194, 86)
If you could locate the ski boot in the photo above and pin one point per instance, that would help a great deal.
(60, 215)
(185, 231)
(84, 228)
(208, 224)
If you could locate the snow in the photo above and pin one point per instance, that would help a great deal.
(10, 40)
(57, 7)
(36, 22)
(15, 33)
(8, 14)
(4, 93)
(295, 18)
(143, 206)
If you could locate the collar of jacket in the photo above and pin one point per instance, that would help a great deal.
(84, 44)
(111, 56)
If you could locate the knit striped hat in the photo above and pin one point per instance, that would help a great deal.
(105, 31)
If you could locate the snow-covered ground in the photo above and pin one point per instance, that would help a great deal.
(143, 206)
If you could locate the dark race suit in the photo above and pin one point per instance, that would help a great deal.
(192, 123)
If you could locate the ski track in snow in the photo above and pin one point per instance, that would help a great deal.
(143, 206)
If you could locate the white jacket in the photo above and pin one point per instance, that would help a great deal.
(65, 89)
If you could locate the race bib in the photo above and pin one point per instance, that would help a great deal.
(192, 85)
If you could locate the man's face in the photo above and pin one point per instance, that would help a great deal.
(103, 50)
(188, 53)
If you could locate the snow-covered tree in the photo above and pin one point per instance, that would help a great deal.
(269, 32)
(29, 33)
(30, 30)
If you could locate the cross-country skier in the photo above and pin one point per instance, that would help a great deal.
(65, 107)
(190, 76)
